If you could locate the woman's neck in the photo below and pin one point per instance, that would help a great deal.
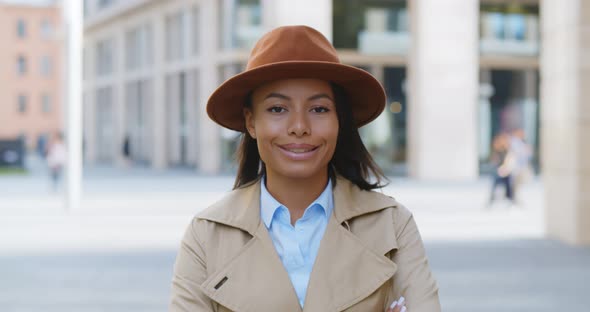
(296, 193)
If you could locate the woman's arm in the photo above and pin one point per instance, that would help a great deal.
(413, 278)
(190, 271)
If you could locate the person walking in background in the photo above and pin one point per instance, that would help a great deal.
(56, 159)
(504, 161)
(127, 150)
(522, 171)
(42, 146)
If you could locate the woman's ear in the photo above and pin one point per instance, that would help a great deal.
(249, 119)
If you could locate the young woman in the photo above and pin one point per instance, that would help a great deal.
(302, 230)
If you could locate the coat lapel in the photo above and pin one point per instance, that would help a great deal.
(350, 265)
(347, 268)
(255, 280)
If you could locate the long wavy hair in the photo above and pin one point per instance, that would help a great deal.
(351, 159)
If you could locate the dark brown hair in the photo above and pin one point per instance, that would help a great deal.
(351, 158)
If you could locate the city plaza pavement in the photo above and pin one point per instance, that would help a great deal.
(116, 251)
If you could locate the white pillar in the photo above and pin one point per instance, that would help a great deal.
(565, 118)
(74, 105)
(443, 98)
(159, 102)
(313, 13)
(210, 141)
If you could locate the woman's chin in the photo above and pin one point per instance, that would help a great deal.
(301, 172)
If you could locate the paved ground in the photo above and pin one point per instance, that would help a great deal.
(508, 276)
(115, 252)
(143, 209)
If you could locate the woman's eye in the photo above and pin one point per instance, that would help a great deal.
(276, 109)
(320, 109)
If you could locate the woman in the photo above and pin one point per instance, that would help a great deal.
(504, 163)
(302, 230)
(56, 159)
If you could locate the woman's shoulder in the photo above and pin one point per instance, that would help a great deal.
(387, 201)
(365, 197)
(233, 208)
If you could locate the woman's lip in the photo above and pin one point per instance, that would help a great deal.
(292, 146)
(298, 156)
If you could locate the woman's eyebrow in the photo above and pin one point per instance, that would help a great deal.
(311, 98)
(277, 95)
(320, 96)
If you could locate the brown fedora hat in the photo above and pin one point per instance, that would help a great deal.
(295, 52)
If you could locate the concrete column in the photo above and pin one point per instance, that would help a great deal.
(565, 118)
(210, 141)
(159, 103)
(313, 13)
(443, 98)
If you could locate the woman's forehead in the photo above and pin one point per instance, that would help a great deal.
(292, 87)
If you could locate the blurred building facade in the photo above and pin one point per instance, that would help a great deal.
(31, 73)
(456, 73)
(150, 65)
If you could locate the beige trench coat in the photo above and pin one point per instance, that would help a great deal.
(371, 254)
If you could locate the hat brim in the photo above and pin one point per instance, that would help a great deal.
(365, 93)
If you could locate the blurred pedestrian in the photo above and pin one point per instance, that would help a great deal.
(304, 177)
(522, 171)
(504, 163)
(42, 146)
(56, 159)
(127, 150)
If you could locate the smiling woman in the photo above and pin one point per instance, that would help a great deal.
(302, 230)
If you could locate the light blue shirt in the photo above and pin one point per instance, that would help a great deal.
(297, 246)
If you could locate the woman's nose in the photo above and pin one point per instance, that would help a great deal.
(299, 124)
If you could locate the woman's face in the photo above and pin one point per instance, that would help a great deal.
(295, 124)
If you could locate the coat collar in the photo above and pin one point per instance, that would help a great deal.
(349, 202)
(334, 284)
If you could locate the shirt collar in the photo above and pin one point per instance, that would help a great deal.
(269, 205)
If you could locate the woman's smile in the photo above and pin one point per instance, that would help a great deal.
(299, 152)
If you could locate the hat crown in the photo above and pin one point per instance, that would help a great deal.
(292, 43)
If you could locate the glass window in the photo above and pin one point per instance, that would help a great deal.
(175, 42)
(46, 29)
(104, 124)
(138, 43)
(46, 66)
(509, 29)
(105, 3)
(132, 48)
(21, 65)
(196, 30)
(22, 103)
(137, 105)
(21, 28)
(371, 26)
(241, 23)
(104, 57)
(386, 137)
(46, 103)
